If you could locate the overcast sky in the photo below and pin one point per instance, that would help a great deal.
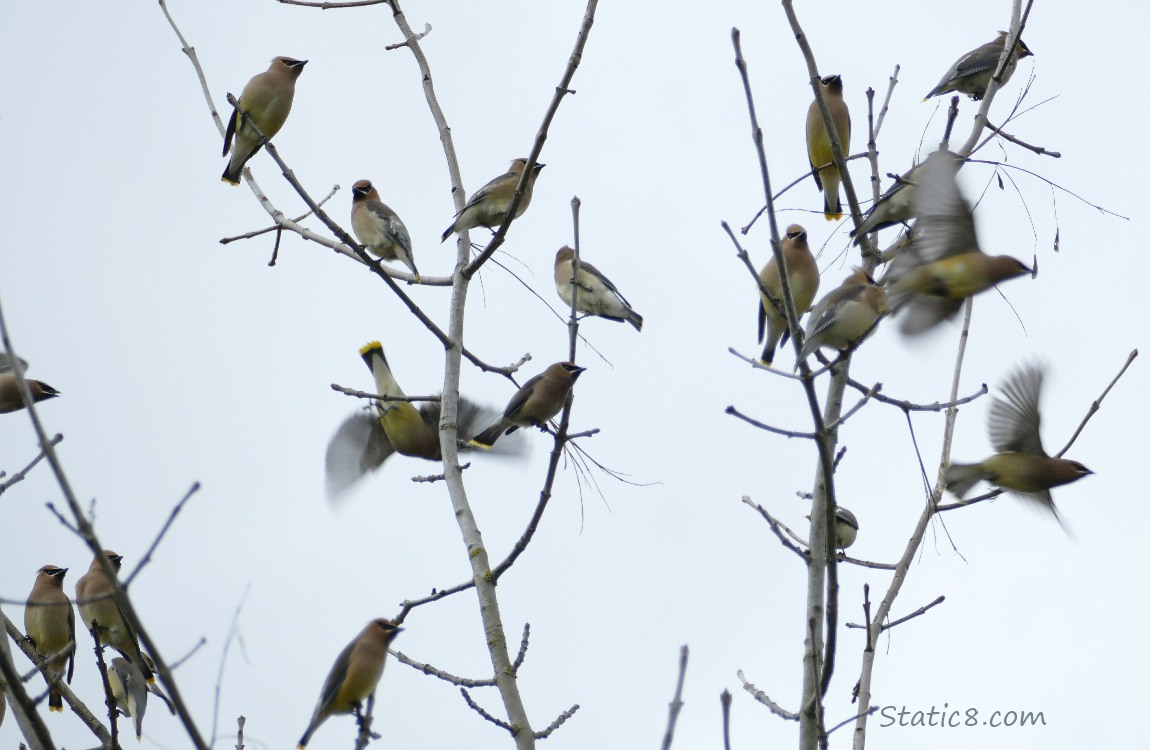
(184, 360)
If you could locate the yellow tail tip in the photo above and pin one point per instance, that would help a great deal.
(476, 444)
(56, 708)
(370, 347)
(832, 217)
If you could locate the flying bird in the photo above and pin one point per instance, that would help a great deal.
(10, 399)
(1020, 464)
(944, 265)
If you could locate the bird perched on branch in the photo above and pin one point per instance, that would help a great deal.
(366, 439)
(822, 157)
(895, 206)
(267, 99)
(354, 675)
(1020, 464)
(96, 603)
(972, 72)
(597, 295)
(845, 316)
(10, 399)
(540, 398)
(50, 623)
(846, 527)
(129, 691)
(803, 273)
(378, 228)
(944, 265)
(488, 206)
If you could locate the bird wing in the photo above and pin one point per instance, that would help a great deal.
(977, 60)
(396, 231)
(7, 360)
(231, 131)
(358, 446)
(520, 398)
(1014, 419)
(945, 225)
(71, 640)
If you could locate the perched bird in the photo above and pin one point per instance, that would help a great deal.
(267, 99)
(827, 178)
(1020, 464)
(378, 228)
(354, 675)
(846, 527)
(50, 623)
(488, 206)
(365, 439)
(129, 691)
(154, 688)
(10, 399)
(597, 295)
(944, 264)
(972, 72)
(540, 398)
(803, 273)
(845, 315)
(95, 601)
(895, 206)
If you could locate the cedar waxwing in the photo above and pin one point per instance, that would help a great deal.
(50, 623)
(154, 688)
(95, 601)
(267, 99)
(972, 72)
(827, 178)
(843, 317)
(803, 273)
(354, 675)
(597, 295)
(367, 438)
(488, 206)
(9, 389)
(378, 228)
(846, 527)
(1020, 464)
(540, 398)
(943, 265)
(129, 690)
(895, 206)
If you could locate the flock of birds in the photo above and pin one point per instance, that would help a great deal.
(940, 267)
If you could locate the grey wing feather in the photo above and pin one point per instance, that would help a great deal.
(945, 223)
(521, 396)
(1014, 418)
(358, 446)
(6, 361)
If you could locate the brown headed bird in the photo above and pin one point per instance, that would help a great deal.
(803, 273)
(1020, 465)
(597, 295)
(827, 177)
(10, 399)
(95, 601)
(50, 623)
(944, 265)
(354, 675)
(488, 206)
(845, 316)
(378, 228)
(972, 72)
(267, 99)
(540, 398)
(894, 207)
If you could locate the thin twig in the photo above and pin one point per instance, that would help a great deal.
(676, 704)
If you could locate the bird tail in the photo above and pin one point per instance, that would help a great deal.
(635, 319)
(487, 438)
(55, 702)
(960, 478)
(447, 233)
(832, 207)
(231, 174)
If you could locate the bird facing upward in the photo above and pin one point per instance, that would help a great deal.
(50, 623)
(95, 602)
(267, 98)
(354, 675)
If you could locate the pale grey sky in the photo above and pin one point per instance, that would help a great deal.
(184, 360)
